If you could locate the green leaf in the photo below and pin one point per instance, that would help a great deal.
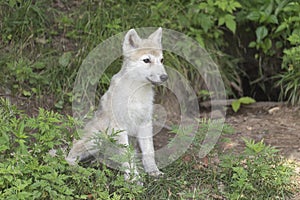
(221, 21)
(236, 5)
(252, 44)
(272, 19)
(235, 105)
(268, 10)
(261, 33)
(222, 5)
(64, 60)
(230, 22)
(281, 27)
(200, 40)
(59, 104)
(26, 93)
(295, 37)
(205, 22)
(278, 44)
(254, 16)
(4, 142)
(246, 100)
(267, 45)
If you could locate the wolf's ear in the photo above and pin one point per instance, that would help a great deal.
(156, 36)
(131, 40)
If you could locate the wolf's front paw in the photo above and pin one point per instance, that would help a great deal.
(156, 173)
(133, 178)
(71, 161)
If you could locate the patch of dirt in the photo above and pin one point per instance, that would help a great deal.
(276, 123)
(278, 126)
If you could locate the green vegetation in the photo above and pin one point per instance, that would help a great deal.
(32, 166)
(272, 23)
(258, 173)
(255, 43)
(236, 104)
(289, 81)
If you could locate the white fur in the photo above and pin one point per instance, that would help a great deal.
(128, 104)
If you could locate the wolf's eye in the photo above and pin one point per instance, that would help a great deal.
(147, 60)
(162, 60)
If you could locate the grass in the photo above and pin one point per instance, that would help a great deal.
(43, 44)
(33, 167)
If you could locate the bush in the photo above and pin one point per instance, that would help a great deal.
(289, 80)
(32, 164)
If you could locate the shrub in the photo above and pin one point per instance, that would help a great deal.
(289, 80)
(32, 164)
(267, 26)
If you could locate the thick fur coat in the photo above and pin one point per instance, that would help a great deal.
(127, 106)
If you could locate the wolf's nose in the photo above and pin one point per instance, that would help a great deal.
(163, 77)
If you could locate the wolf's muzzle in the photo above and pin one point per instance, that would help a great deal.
(163, 77)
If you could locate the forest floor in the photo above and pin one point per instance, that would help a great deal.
(277, 124)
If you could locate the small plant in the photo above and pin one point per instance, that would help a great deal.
(243, 100)
(258, 173)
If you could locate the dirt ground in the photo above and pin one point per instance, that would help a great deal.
(277, 125)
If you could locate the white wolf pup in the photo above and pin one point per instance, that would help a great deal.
(127, 106)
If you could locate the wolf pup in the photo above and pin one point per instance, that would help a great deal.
(127, 106)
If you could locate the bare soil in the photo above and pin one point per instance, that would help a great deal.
(278, 126)
(276, 123)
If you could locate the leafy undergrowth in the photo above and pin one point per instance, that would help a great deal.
(32, 166)
(42, 44)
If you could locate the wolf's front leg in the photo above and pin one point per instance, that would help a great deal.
(129, 166)
(145, 139)
(81, 150)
